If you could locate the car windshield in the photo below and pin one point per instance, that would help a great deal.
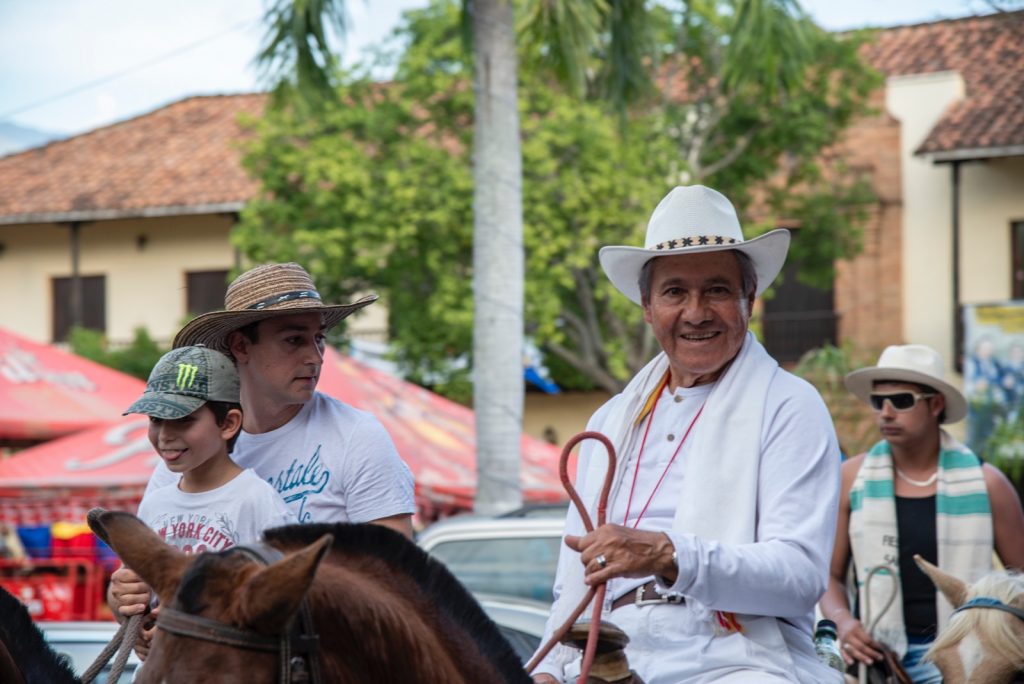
(521, 566)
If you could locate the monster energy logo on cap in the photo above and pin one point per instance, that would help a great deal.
(186, 378)
(186, 375)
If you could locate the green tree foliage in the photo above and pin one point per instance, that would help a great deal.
(825, 368)
(137, 359)
(376, 192)
(296, 55)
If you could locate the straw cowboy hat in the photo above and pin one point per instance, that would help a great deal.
(692, 220)
(914, 363)
(260, 293)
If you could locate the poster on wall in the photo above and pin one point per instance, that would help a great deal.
(994, 378)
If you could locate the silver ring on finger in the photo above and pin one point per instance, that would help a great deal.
(601, 560)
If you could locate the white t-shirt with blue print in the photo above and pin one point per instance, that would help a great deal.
(330, 463)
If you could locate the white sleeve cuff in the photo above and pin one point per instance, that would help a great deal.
(683, 549)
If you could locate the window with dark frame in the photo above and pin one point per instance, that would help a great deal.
(798, 317)
(205, 291)
(1017, 275)
(94, 305)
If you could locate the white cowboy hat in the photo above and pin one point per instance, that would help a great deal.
(260, 293)
(692, 220)
(914, 363)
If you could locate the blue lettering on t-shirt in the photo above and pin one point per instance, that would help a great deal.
(301, 480)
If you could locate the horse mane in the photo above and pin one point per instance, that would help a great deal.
(36, 660)
(995, 625)
(414, 566)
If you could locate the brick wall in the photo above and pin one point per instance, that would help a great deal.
(868, 289)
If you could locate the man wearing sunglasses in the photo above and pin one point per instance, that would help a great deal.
(917, 491)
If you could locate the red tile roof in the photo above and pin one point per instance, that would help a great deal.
(179, 159)
(184, 158)
(988, 52)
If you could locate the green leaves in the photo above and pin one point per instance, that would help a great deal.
(374, 192)
(296, 55)
(768, 47)
(563, 34)
(137, 359)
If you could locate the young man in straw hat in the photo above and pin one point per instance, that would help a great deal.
(917, 491)
(329, 461)
(723, 507)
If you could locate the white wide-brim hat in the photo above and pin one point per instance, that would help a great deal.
(913, 363)
(692, 220)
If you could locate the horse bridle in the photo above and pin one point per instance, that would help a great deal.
(992, 604)
(296, 647)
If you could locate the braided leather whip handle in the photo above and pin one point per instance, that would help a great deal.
(595, 594)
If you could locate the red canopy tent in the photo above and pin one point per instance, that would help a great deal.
(110, 464)
(46, 392)
(435, 436)
(107, 465)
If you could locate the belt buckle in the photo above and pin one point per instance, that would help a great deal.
(641, 601)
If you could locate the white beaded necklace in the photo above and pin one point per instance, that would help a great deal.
(918, 483)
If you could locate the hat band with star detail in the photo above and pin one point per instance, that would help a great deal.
(696, 241)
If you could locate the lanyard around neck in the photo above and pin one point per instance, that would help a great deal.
(639, 458)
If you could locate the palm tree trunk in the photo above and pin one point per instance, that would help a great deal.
(497, 259)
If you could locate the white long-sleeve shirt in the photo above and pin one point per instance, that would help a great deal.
(780, 575)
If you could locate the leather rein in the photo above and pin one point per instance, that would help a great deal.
(299, 662)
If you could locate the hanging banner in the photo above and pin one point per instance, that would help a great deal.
(994, 379)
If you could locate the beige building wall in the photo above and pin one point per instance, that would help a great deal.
(556, 418)
(31, 256)
(992, 199)
(918, 102)
(147, 287)
(144, 262)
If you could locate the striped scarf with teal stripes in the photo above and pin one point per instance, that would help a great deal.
(963, 528)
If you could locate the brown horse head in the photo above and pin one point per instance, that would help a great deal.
(228, 588)
(382, 609)
(979, 645)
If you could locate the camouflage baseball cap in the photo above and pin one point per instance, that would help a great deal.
(186, 378)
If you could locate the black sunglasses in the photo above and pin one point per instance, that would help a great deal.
(900, 401)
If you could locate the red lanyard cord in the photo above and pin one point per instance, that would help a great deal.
(636, 473)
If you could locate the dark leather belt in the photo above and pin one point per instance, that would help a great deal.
(645, 595)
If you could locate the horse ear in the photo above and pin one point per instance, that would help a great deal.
(141, 549)
(272, 595)
(953, 589)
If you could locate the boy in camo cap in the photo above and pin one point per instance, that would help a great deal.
(194, 418)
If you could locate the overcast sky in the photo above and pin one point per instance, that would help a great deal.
(67, 66)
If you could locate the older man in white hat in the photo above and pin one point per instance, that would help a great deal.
(723, 507)
(917, 491)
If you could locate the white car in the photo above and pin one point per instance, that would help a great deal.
(508, 563)
(504, 556)
(520, 621)
(81, 642)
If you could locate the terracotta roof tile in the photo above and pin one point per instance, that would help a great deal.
(988, 52)
(184, 155)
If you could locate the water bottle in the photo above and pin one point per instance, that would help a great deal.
(826, 645)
